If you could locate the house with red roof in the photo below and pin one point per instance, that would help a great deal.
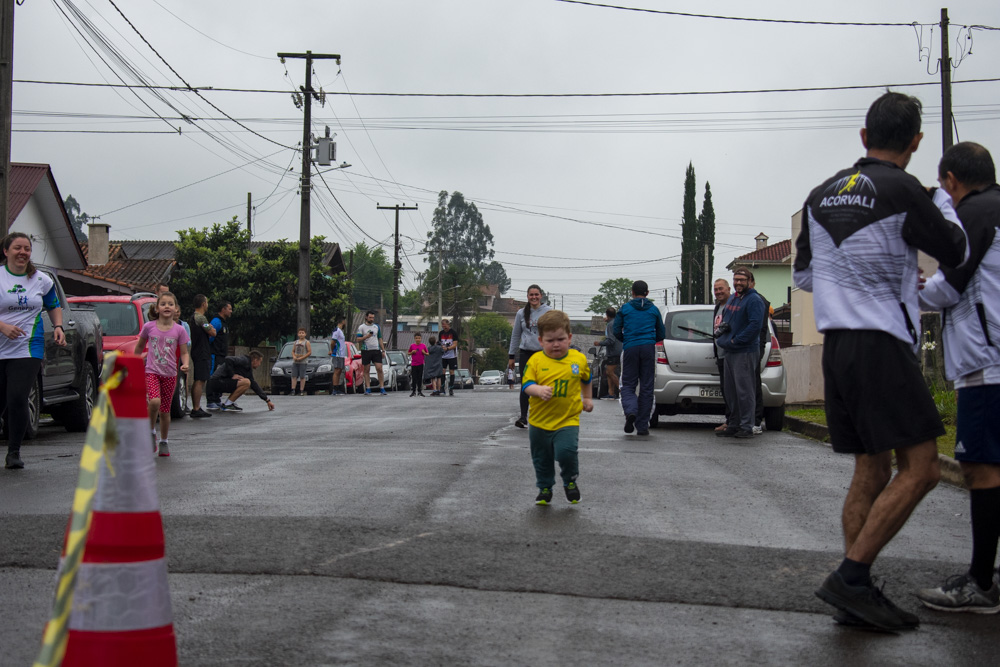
(772, 269)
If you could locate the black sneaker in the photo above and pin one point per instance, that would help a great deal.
(743, 434)
(572, 492)
(200, 414)
(521, 422)
(231, 407)
(14, 462)
(864, 602)
(728, 432)
(544, 497)
(451, 392)
(629, 423)
(642, 431)
(421, 394)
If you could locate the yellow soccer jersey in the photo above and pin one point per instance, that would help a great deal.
(565, 377)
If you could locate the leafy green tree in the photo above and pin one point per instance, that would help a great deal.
(411, 302)
(77, 217)
(495, 274)
(459, 233)
(492, 359)
(611, 294)
(262, 285)
(690, 235)
(372, 277)
(489, 329)
(706, 223)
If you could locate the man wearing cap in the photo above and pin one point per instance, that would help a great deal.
(738, 334)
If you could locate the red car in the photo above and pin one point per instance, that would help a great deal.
(353, 371)
(122, 317)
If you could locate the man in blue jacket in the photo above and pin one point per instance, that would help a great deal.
(739, 336)
(639, 325)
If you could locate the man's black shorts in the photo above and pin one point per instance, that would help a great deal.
(369, 357)
(449, 363)
(202, 369)
(222, 385)
(977, 438)
(876, 398)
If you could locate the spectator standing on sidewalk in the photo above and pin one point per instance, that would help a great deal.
(219, 344)
(857, 254)
(433, 369)
(201, 355)
(613, 350)
(739, 336)
(338, 352)
(722, 293)
(417, 352)
(969, 300)
(369, 338)
(765, 338)
(639, 325)
(449, 358)
(301, 350)
(524, 342)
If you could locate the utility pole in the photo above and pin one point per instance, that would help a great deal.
(6, 104)
(946, 134)
(350, 296)
(249, 227)
(440, 283)
(305, 237)
(708, 278)
(396, 266)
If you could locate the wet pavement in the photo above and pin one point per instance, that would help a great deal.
(370, 530)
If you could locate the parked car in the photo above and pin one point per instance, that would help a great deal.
(491, 377)
(353, 370)
(464, 379)
(687, 378)
(66, 386)
(122, 317)
(598, 377)
(319, 369)
(392, 374)
(401, 361)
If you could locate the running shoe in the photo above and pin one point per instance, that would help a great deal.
(382, 392)
(412, 394)
(962, 593)
(757, 430)
(199, 414)
(867, 603)
(164, 448)
(572, 492)
(14, 461)
(629, 423)
(642, 431)
(521, 422)
(368, 392)
(728, 432)
(544, 497)
(743, 434)
(421, 394)
(213, 406)
(231, 407)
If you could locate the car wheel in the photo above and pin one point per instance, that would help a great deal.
(34, 414)
(75, 416)
(774, 418)
(179, 398)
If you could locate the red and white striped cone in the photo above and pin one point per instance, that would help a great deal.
(121, 613)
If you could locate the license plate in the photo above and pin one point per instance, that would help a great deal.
(710, 392)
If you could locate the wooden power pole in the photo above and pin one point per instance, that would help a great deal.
(305, 236)
(396, 266)
(946, 134)
(6, 104)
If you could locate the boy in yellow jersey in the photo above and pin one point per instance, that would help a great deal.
(557, 382)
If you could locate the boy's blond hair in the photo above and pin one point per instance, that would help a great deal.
(553, 320)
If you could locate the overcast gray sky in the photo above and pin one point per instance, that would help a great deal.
(541, 169)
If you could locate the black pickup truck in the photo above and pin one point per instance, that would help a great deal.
(66, 387)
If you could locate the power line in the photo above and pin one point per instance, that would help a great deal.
(199, 89)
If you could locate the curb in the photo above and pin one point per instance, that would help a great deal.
(951, 471)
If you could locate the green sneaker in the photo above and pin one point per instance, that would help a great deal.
(572, 492)
(544, 497)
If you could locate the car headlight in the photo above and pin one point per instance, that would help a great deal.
(277, 370)
(324, 368)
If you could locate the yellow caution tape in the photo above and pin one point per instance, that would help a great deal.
(102, 438)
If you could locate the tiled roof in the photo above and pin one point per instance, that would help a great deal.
(777, 253)
(505, 305)
(24, 180)
(140, 275)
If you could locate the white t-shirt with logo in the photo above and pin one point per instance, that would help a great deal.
(372, 342)
(21, 302)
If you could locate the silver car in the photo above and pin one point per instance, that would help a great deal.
(687, 378)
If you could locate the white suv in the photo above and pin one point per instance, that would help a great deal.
(687, 378)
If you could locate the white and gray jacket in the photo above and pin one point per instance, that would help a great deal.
(525, 334)
(857, 251)
(969, 297)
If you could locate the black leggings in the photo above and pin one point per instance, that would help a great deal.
(417, 379)
(16, 378)
(521, 363)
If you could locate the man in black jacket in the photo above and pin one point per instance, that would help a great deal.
(234, 376)
(765, 338)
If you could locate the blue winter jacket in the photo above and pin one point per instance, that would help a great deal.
(638, 322)
(745, 316)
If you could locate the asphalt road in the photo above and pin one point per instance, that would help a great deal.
(370, 530)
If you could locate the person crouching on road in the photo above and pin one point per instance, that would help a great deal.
(557, 382)
(433, 368)
(301, 349)
(165, 338)
(739, 336)
(639, 325)
(234, 376)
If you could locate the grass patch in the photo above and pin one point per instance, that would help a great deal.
(814, 415)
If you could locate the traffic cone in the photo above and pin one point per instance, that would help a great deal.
(113, 601)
